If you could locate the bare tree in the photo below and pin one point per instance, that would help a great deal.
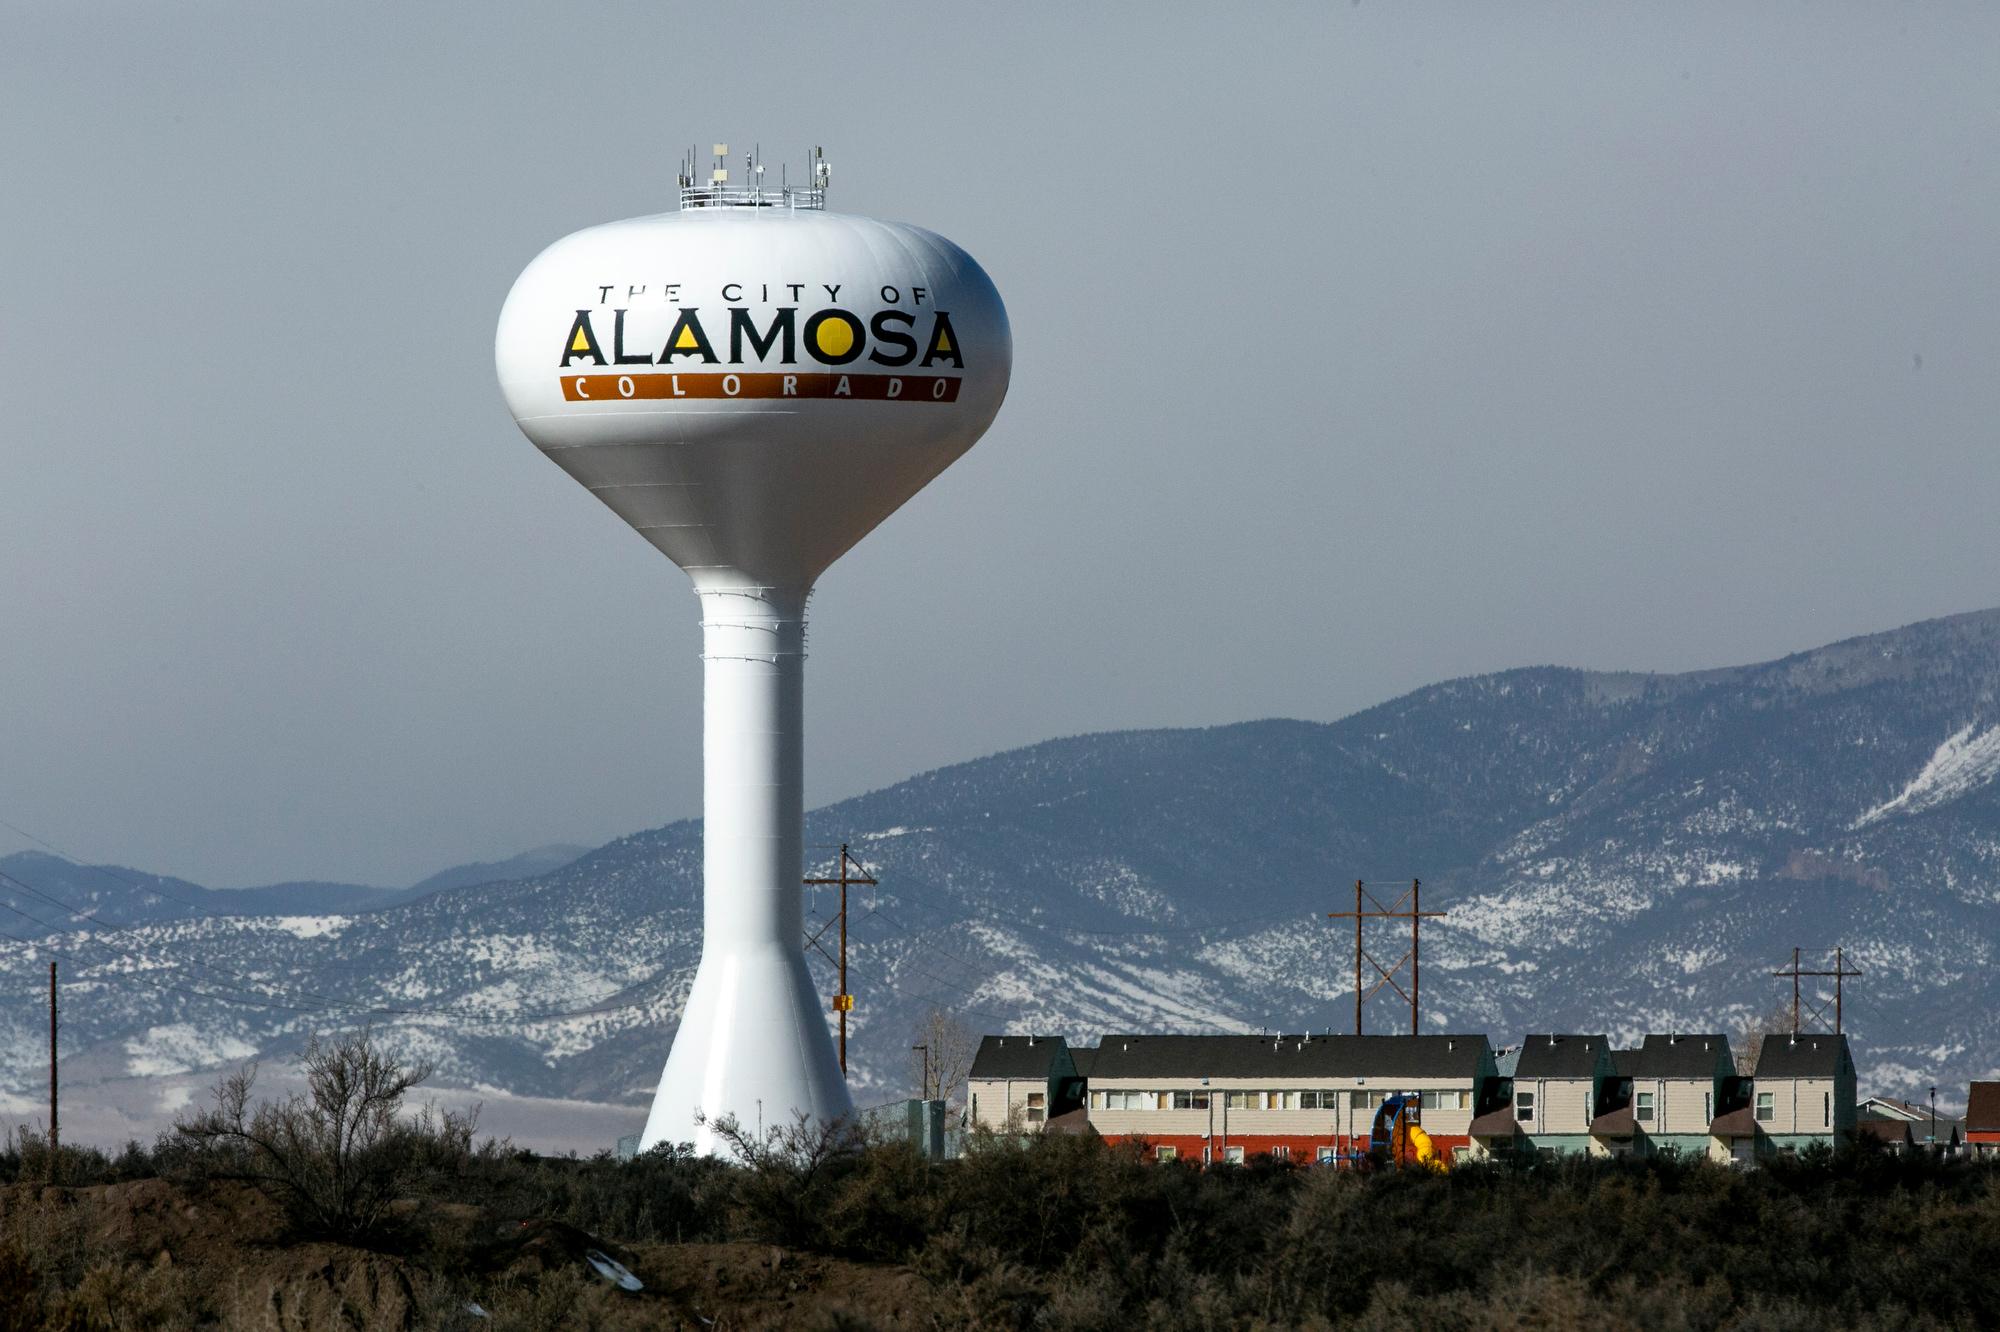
(951, 1046)
(1753, 1029)
(336, 1155)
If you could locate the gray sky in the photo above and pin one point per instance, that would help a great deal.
(1356, 348)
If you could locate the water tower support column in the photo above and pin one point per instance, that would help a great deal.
(753, 1040)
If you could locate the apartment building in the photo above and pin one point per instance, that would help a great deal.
(1300, 1097)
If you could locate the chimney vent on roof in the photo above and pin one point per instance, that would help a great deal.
(1450, 1044)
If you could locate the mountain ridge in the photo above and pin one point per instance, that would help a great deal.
(1616, 851)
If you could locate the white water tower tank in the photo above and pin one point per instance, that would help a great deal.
(753, 384)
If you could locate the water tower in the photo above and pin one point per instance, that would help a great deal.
(753, 384)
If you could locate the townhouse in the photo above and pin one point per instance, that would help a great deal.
(1803, 1092)
(1018, 1083)
(1553, 1090)
(1298, 1097)
(1680, 1085)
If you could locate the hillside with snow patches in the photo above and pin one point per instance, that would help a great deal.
(1620, 852)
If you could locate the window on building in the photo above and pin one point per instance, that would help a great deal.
(1524, 1106)
(1190, 1100)
(1205, 1155)
(1324, 1156)
(1827, 1104)
(1097, 1100)
(1233, 1154)
(1642, 1107)
(1166, 1153)
(1767, 1108)
(1708, 1107)
(1429, 1100)
(1163, 1101)
(1038, 1108)
(1281, 1152)
(1357, 1100)
(1243, 1100)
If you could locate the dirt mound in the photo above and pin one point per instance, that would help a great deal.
(309, 1287)
(757, 1286)
(218, 1254)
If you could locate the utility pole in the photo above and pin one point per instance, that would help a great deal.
(1407, 906)
(843, 1002)
(1840, 974)
(924, 1092)
(55, 1130)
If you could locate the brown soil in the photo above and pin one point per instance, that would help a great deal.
(218, 1256)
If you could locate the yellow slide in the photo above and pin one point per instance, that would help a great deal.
(1414, 1146)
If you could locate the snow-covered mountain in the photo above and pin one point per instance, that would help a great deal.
(1617, 852)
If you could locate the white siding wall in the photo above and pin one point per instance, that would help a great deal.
(1680, 1105)
(1562, 1105)
(1344, 1119)
(1798, 1105)
(1001, 1104)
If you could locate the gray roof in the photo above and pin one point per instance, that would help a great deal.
(1556, 1056)
(1281, 1057)
(1624, 1061)
(1807, 1056)
(1692, 1056)
(1083, 1056)
(1015, 1056)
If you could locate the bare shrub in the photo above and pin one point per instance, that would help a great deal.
(337, 1155)
(791, 1173)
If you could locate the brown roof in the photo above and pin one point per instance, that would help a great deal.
(1614, 1124)
(1076, 1122)
(1982, 1108)
(1495, 1124)
(1893, 1132)
(1738, 1123)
